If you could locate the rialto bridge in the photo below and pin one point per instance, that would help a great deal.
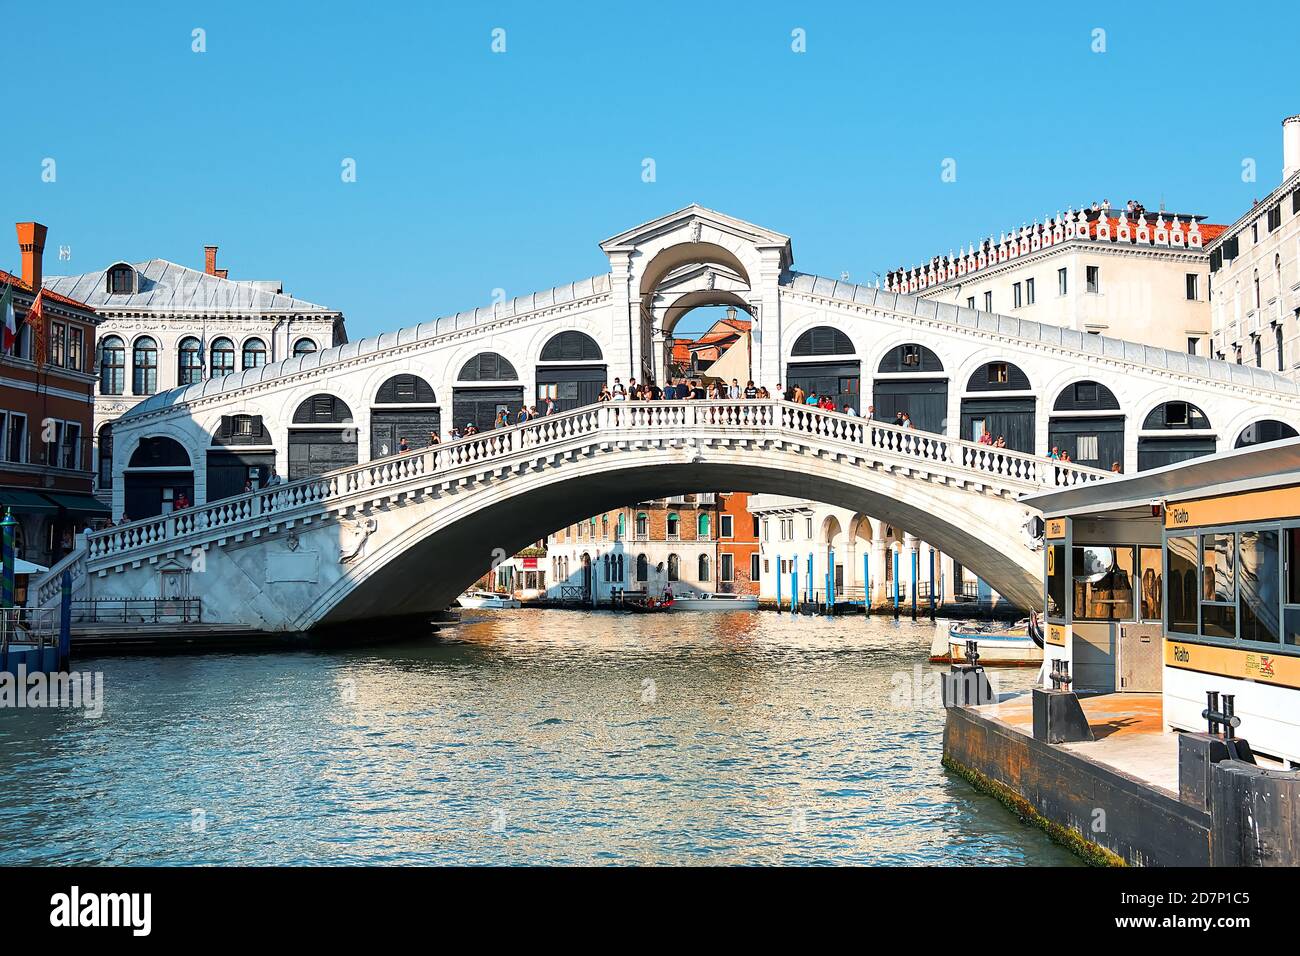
(361, 530)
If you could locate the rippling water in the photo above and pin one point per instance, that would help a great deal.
(519, 737)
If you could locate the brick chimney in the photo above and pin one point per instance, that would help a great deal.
(31, 243)
(210, 263)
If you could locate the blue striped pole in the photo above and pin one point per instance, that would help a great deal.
(812, 587)
(7, 526)
(866, 582)
(932, 597)
(794, 585)
(914, 575)
(895, 585)
(830, 580)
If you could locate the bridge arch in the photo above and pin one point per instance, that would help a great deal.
(998, 399)
(159, 476)
(322, 436)
(405, 405)
(1174, 430)
(570, 371)
(911, 379)
(486, 383)
(1088, 424)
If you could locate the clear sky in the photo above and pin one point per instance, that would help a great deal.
(478, 170)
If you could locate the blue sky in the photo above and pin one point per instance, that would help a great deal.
(478, 170)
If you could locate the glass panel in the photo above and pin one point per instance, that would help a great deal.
(1056, 581)
(1218, 556)
(1180, 563)
(1260, 601)
(1103, 583)
(1291, 635)
(1293, 565)
(1152, 583)
(1219, 620)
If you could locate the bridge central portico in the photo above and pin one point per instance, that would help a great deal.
(331, 422)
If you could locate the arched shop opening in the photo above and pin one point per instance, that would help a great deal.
(999, 402)
(405, 407)
(1173, 432)
(1270, 429)
(323, 437)
(570, 372)
(907, 381)
(158, 473)
(481, 392)
(1087, 424)
(824, 362)
(241, 456)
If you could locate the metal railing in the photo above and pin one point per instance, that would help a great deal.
(30, 626)
(138, 611)
(675, 419)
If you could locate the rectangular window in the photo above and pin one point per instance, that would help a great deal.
(1193, 344)
(1180, 561)
(71, 446)
(807, 525)
(765, 530)
(1275, 217)
(58, 344)
(76, 340)
(728, 567)
(1152, 583)
(725, 523)
(17, 446)
(55, 442)
(1259, 586)
(1219, 585)
(1029, 292)
(1015, 295)
(1094, 278)
(1254, 231)
(1176, 414)
(753, 566)
(997, 373)
(1103, 583)
(1055, 581)
(1193, 286)
(988, 301)
(1062, 282)
(1086, 448)
(970, 302)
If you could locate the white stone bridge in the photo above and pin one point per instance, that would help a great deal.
(401, 537)
(359, 531)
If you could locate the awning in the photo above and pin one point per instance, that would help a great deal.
(27, 567)
(26, 502)
(79, 504)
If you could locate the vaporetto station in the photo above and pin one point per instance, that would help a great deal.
(360, 532)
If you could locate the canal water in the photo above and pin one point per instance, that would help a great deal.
(537, 737)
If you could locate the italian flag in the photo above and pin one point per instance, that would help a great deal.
(10, 333)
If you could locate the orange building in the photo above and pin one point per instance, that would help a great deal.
(47, 401)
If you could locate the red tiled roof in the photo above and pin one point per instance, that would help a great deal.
(7, 278)
(1208, 230)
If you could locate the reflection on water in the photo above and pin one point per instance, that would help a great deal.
(522, 737)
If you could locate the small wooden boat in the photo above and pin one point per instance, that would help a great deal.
(998, 645)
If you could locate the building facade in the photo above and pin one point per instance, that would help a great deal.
(808, 548)
(1255, 269)
(694, 543)
(47, 400)
(1140, 275)
(164, 325)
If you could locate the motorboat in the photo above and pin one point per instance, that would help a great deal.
(492, 600)
(1004, 645)
(716, 602)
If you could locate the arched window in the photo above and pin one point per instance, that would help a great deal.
(1259, 352)
(642, 568)
(159, 452)
(189, 361)
(322, 410)
(144, 366)
(1281, 352)
(121, 280)
(1264, 431)
(642, 525)
(823, 340)
(1176, 415)
(571, 346)
(112, 366)
(604, 526)
(998, 377)
(703, 576)
(405, 389)
(618, 534)
(487, 367)
(223, 357)
(254, 353)
(910, 358)
(106, 455)
(303, 346)
(1089, 396)
(702, 525)
(674, 568)
(674, 525)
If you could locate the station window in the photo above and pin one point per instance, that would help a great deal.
(1152, 583)
(1055, 581)
(1219, 585)
(1103, 583)
(1259, 585)
(1180, 562)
